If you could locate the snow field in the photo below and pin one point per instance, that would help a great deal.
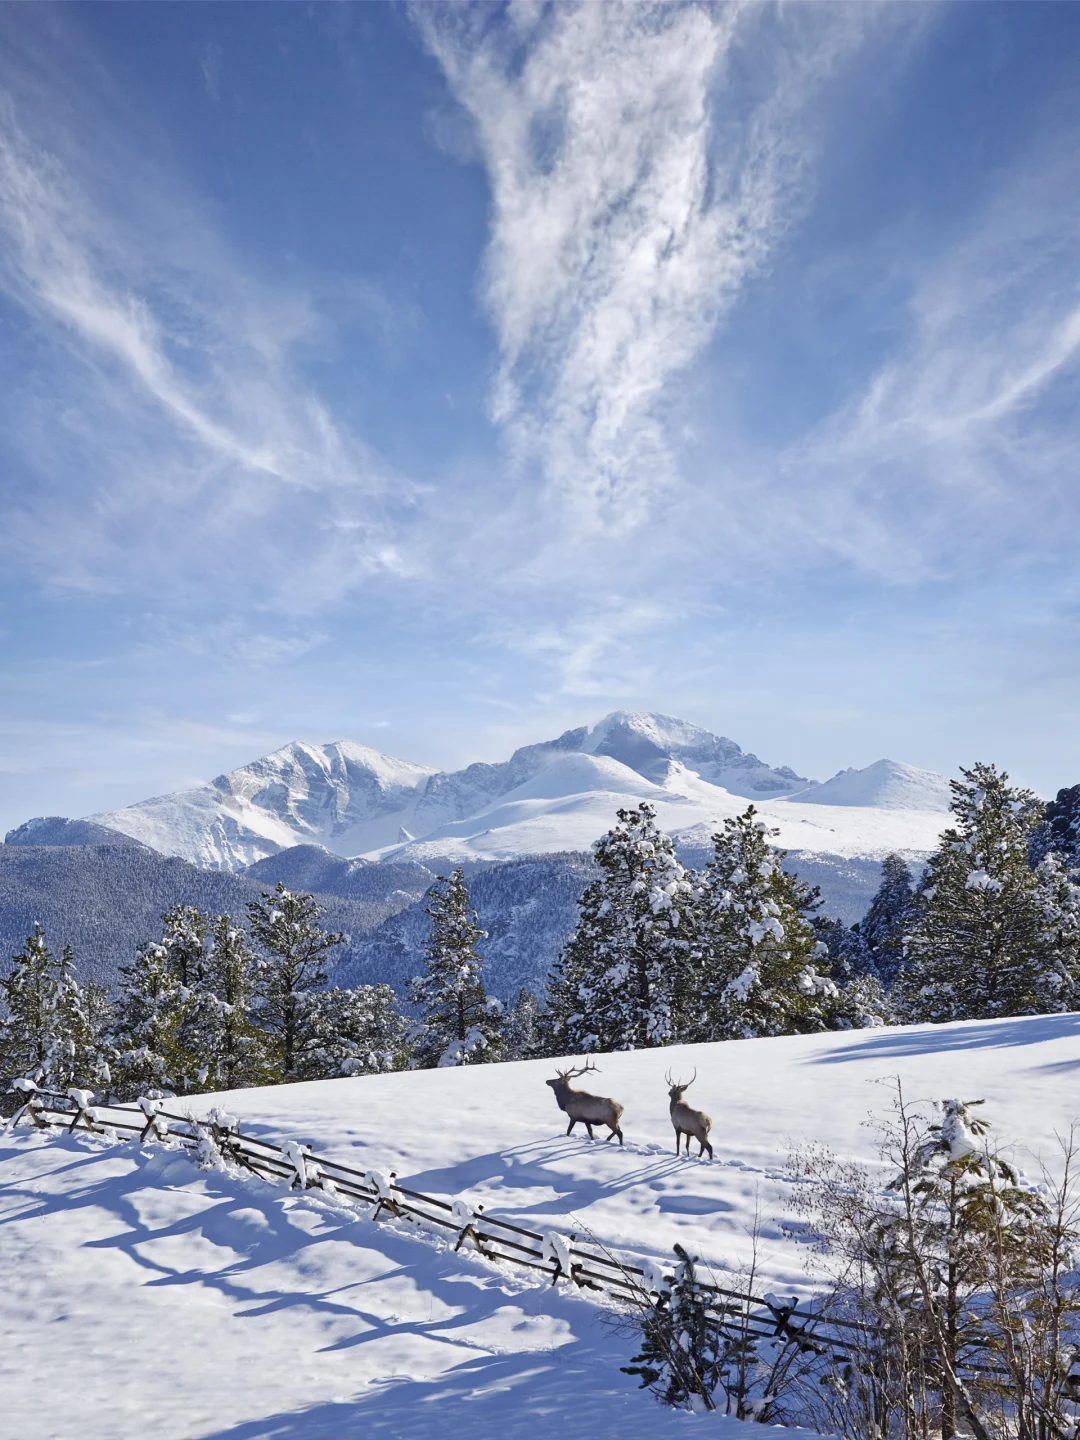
(236, 1309)
(142, 1296)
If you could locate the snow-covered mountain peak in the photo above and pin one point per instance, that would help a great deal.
(649, 743)
(884, 785)
(557, 794)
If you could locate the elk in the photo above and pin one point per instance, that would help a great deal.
(688, 1122)
(580, 1105)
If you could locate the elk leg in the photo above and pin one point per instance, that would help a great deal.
(570, 1126)
(678, 1141)
(618, 1132)
(588, 1126)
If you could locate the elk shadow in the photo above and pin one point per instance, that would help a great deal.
(533, 1165)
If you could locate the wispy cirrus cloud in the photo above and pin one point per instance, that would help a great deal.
(179, 438)
(957, 450)
(644, 160)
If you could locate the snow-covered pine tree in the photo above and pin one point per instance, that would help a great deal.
(83, 1015)
(680, 1355)
(233, 1043)
(184, 931)
(762, 968)
(286, 926)
(146, 1027)
(459, 1024)
(849, 954)
(861, 998)
(523, 1029)
(993, 936)
(353, 1032)
(29, 1031)
(1060, 830)
(889, 917)
(625, 977)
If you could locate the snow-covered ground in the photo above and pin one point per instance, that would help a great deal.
(143, 1296)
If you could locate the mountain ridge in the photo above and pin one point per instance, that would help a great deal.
(553, 795)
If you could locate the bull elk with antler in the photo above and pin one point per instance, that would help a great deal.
(686, 1121)
(580, 1105)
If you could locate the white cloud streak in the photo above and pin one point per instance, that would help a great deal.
(181, 397)
(643, 161)
(957, 451)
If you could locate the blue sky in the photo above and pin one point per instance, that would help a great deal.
(442, 377)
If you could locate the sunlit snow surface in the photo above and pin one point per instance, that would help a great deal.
(143, 1297)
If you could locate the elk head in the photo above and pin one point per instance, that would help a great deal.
(563, 1077)
(676, 1088)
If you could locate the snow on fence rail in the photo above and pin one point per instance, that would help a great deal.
(557, 1256)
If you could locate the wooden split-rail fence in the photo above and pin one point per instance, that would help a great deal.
(738, 1314)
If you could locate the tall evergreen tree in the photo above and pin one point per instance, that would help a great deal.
(83, 1018)
(889, 917)
(459, 1024)
(761, 957)
(1060, 830)
(861, 998)
(286, 926)
(184, 932)
(993, 936)
(54, 1028)
(523, 1027)
(623, 980)
(146, 1030)
(232, 1042)
(28, 1036)
(353, 1032)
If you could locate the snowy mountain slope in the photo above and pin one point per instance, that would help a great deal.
(347, 796)
(886, 785)
(688, 807)
(557, 795)
(318, 870)
(251, 1313)
(55, 830)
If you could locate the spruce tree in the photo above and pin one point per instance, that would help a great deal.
(146, 1031)
(761, 962)
(993, 936)
(623, 981)
(1060, 830)
(459, 1025)
(889, 917)
(83, 1017)
(183, 939)
(286, 926)
(523, 1027)
(681, 1347)
(353, 1032)
(28, 1036)
(232, 1042)
(861, 1000)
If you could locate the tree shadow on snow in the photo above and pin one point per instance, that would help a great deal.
(972, 1035)
(575, 1393)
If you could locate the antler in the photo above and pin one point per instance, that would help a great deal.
(572, 1074)
(678, 1084)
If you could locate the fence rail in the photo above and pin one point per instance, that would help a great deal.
(735, 1313)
